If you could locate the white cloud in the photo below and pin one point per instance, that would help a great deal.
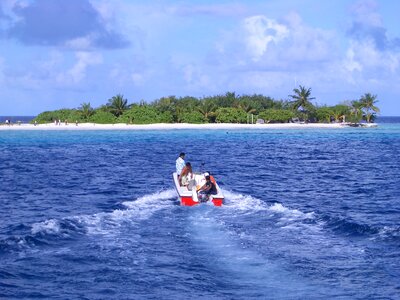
(260, 43)
(364, 56)
(260, 32)
(78, 71)
(80, 43)
(350, 64)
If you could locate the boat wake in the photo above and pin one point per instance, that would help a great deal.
(270, 246)
(103, 223)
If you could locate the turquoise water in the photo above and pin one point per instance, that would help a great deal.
(309, 214)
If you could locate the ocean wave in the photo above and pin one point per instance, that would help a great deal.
(137, 210)
(263, 214)
(389, 232)
(244, 203)
(47, 231)
(62, 228)
(291, 213)
(352, 228)
(250, 204)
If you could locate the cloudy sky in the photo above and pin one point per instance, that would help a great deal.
(60, 53)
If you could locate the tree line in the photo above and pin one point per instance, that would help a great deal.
(228, 108)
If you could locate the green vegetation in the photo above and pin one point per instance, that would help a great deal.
(228, 108)
(86, 111)
(102, 117)
(118, 105)
(144, 114)
(68, 115)
(230, 115)
(302, 102)
(368, 102)
(277, 115)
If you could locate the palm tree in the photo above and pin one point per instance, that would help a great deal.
(368, 102)
(356, 111)
(339, 112)
(86, 110)
(246, 106)
(207, 109)
(302, 98)
(118, 105)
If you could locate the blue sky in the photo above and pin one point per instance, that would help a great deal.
(59, 54)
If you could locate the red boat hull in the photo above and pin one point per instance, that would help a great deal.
(188, 201)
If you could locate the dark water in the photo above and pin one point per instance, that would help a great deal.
(15, 119)
(309, 214)
(385, 120)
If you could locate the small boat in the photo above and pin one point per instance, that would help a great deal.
(188, 194)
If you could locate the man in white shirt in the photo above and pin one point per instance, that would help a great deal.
(180, 163)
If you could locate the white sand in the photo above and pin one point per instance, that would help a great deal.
(167, 126)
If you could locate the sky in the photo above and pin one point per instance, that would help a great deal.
(59, 54)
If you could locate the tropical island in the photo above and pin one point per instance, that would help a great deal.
(228, 108)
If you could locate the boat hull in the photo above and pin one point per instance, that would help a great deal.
(188, 201)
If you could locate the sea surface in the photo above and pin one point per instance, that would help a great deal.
(16, 119)
(308, 214)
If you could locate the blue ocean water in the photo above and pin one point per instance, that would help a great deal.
(15, 119)
(308, 214)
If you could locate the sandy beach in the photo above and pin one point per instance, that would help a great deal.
(168, 126)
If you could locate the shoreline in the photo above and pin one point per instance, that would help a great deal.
(174, 126)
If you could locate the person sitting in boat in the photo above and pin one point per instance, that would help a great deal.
(180, 163)
(186, 175)
(207, 189)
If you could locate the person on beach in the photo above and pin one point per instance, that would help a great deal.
(207, 189)
(180, 163)
(186, 175)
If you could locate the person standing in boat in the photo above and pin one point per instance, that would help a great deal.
(207, 189)
(180, 164)
(186, 175)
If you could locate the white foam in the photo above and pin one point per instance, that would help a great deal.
(243, 202)
(390, 231)
(138, 210)
(51, 226)
(291, 213)
(152, 199)
(107, 222)
(251, 204)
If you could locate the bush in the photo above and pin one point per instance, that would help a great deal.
(102, 117)
(194, 117)
(231, 115)
(324, 114)
(276, 115)
(70, 115)
(144, 115)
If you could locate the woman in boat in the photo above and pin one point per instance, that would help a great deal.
(186, 175)
(207, 189)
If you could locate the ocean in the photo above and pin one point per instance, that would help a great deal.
(308, 214)
(16, 119)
